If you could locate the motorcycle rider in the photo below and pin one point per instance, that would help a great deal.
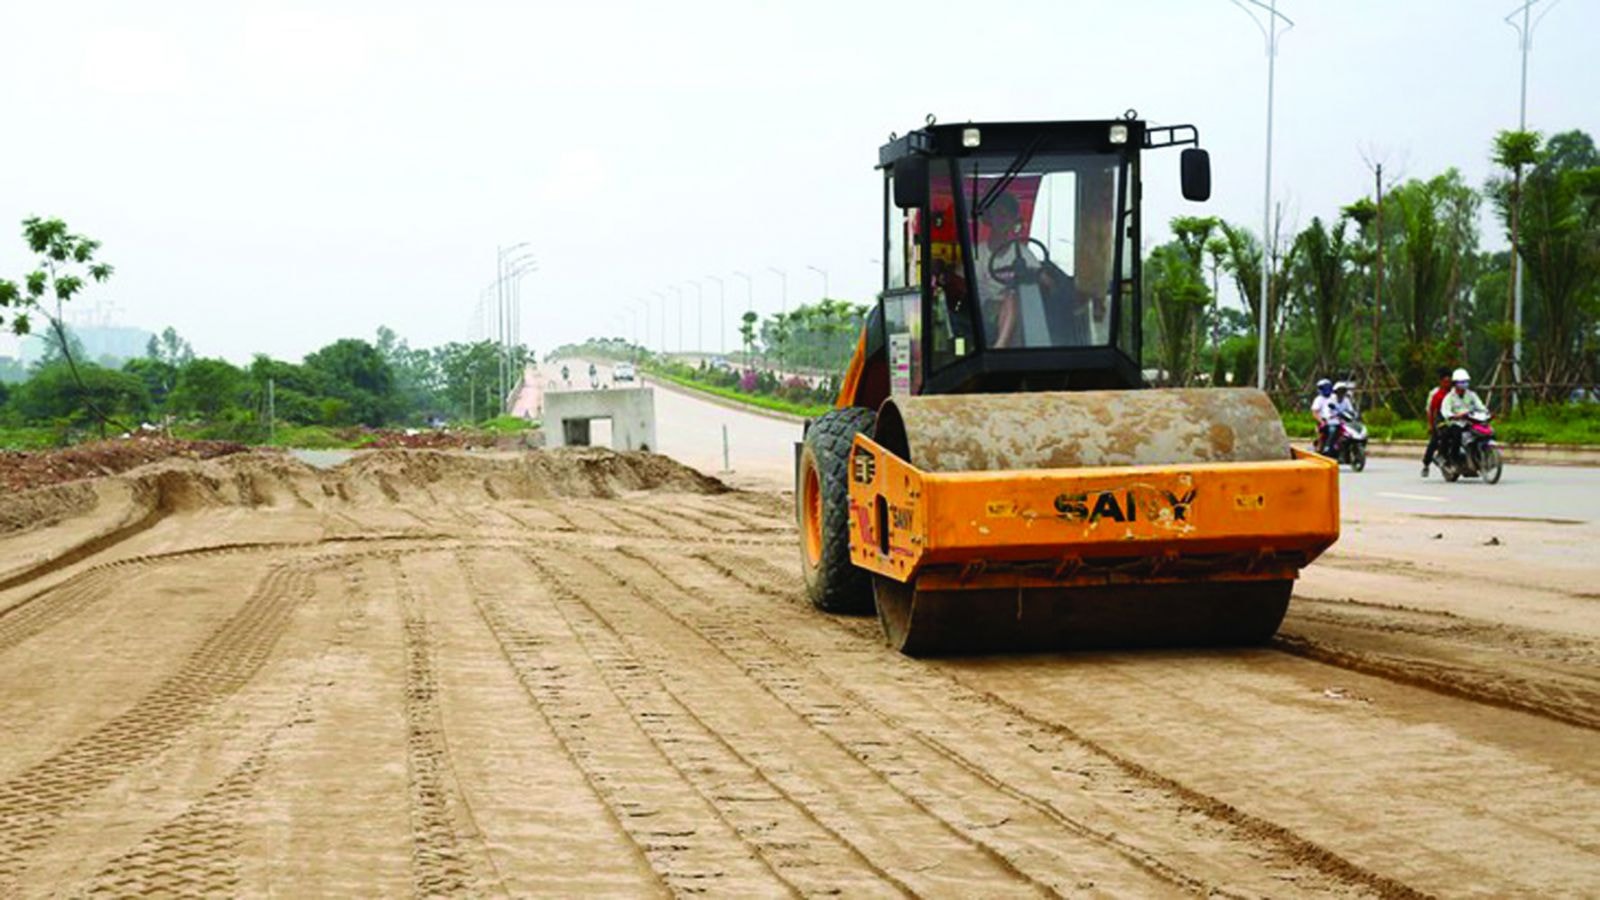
(1453, 411)
(1319, 411)
(1435, 398)
(1340, 409)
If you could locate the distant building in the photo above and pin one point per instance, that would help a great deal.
(118, 342)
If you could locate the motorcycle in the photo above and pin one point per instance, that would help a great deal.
(1477, 457)
(1348, 442)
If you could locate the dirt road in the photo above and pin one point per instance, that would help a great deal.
(579, 672)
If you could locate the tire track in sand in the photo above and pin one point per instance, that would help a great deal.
(681, 842)
(806, 854)
(1030, 838)
(1148, 818)
(447, 856)
(31, 801)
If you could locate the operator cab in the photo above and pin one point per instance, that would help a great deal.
(1011, 256)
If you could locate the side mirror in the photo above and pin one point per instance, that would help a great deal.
(1195, 167)
(911, 182)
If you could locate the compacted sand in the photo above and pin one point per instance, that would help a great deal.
(590, 673)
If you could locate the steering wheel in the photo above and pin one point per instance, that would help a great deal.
(1016, 271)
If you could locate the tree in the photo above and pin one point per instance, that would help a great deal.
(207, 388)
(359, 375)
(64, 261)
(1177, 294)
(1561, 252)
(169, 348)
(747, 331)
(1514, 150)
(1321, 287)
(79, 395)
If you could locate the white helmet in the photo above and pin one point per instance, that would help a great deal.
(1323, 381)
(1341, 386)
(1460, 375)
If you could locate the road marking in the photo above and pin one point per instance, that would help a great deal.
(1413, 497)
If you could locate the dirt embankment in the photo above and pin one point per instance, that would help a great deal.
(582, 672)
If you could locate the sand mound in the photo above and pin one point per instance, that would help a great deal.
(271, 479)
(399, 475)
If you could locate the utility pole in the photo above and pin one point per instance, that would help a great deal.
(678, 293)
(1525, 43)
(1269, 30)
(824, 274)
(784, 276)
(1377, 279)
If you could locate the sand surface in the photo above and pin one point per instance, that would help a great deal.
(584, 673)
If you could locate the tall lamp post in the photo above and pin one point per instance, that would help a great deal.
(678, 293)
(1525, 43)
(646, 304)
(661, 322)
(824, 274)
(1269, 30)
(784, 276)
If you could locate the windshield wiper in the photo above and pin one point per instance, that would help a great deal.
(1010, 175)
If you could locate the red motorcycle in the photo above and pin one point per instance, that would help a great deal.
(1477, 457)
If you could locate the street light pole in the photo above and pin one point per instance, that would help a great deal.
(824, 274)
(1269, 30)
(646, 305)
(661, 322)
(1525, 43)
(785, 277)
(722, 312)
(678, 292)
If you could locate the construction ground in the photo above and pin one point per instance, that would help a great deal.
(578, 672)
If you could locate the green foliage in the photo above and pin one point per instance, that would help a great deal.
(56, 395)
(507, 425)
(65, 264)
(360, 380)
(1177, 295)
(207, 387)
(169, 349)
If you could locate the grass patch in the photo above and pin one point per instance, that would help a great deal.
(807, 410)
(1561, 423)
(31, 438)
(507, 425)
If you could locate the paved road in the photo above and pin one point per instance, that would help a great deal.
(689, 429)
(1548, 492)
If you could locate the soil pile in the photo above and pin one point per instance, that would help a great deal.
(20, 470)
(592, 472)
(264, 479)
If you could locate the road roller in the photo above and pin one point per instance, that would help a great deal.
(995, 474)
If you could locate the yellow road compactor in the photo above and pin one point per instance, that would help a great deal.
(995, 475)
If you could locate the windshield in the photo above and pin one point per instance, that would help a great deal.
(1039, 233)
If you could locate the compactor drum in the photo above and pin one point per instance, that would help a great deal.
(995, 476)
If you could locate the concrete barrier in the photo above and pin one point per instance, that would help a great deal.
(632, 412)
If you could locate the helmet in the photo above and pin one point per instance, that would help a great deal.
(1324, 386)
(1460, 375)
(1341, 386)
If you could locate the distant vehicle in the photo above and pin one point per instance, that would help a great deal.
(623, 372)
(721, 364)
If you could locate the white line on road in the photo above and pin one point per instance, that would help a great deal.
(1413, 497)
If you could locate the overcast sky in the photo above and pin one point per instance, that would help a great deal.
(268, 177)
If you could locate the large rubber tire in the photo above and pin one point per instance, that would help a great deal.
(822, 513)
(1358, 457)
